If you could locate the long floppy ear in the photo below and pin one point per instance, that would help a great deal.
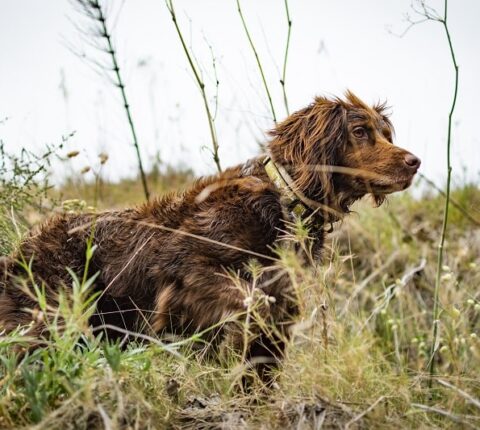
(309, 140)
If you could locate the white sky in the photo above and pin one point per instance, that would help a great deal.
(335, 45)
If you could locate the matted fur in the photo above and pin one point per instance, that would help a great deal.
(162, 265)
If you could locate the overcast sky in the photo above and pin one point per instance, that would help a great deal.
(47, 91)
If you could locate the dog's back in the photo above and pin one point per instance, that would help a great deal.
(161, 265)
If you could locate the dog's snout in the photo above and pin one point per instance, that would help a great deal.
(412, 161)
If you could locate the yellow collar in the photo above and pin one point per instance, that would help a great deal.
(281, 179)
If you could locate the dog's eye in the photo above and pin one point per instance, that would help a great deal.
(360, 132)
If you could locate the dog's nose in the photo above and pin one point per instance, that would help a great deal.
(412, 161)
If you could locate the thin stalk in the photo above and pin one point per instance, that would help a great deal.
(257, 58)
(285, 58)
(447, 204)
(201, 85)
(121, 86)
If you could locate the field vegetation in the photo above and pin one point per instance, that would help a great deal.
(388, 334)
(359, 357)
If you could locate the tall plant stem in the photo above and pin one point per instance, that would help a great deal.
(433, 349)
(201, 85)
(121, 86)
(285, 58)
(257, 58)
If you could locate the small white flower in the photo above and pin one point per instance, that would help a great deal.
(446, 277)
(247, 301)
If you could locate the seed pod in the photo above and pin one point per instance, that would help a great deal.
(103, 157)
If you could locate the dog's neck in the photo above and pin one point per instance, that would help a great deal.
(328, 209)
(294, 200)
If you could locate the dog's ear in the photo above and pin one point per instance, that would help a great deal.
(309, 141)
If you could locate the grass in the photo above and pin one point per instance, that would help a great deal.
(359, 357)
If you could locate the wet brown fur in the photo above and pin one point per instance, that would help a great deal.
(162, 265)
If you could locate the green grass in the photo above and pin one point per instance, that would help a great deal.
(359, 356)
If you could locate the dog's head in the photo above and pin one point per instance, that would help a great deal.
(339, 150)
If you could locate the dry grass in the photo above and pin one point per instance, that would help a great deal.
(358, 358)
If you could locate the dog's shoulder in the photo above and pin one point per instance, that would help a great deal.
(245, 183)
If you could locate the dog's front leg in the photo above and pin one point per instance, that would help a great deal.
(253, 319)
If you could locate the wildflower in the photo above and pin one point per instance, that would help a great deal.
(445, 268)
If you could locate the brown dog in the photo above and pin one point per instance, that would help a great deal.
(162, 265)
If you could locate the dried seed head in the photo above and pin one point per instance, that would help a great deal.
(103, 157)
(86, 169)
(73, 154)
